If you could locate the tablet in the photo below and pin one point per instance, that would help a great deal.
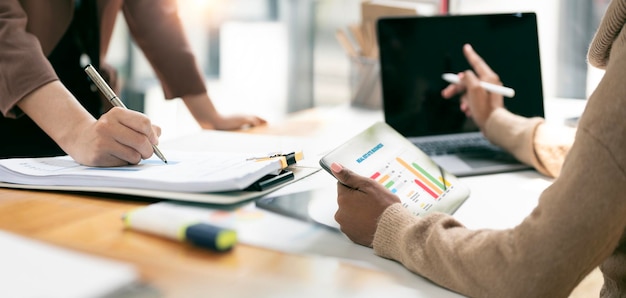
(316, 206)
(383, 154)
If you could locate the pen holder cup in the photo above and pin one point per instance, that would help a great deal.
(365, 85)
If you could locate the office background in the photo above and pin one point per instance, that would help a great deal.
(274, 57)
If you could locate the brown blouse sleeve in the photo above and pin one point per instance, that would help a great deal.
(23, 65)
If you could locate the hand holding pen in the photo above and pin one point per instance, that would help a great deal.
(480, 89)
(137, 133)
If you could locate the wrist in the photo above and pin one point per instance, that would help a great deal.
(202, 109)
(69, 138)
(512, 132)
(55, 110)
(494, 119)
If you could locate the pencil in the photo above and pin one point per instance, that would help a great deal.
(346, 43)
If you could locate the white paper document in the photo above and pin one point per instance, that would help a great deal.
(35, 269)
(184, 172)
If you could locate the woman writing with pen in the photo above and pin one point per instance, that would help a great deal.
(48, 104)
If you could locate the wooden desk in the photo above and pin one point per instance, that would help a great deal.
(92, 224)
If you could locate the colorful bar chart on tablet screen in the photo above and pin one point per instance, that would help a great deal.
(413, 183)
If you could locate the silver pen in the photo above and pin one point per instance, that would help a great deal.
(112, 97)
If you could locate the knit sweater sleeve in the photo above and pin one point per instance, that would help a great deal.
(577, 225)
(531, 140)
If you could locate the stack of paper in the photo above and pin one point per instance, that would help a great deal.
(185, 172)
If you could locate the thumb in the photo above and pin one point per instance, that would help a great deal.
(343, 175)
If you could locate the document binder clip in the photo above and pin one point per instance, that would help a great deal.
(269, 181)
(286, 159)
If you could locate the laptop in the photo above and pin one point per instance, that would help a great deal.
(416, 51)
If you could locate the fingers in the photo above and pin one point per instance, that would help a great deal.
(251, 121)
(157, 130)
(235, 122)
(119, 154)
(469, 80)
(136, 121)
(479, 65)
(482, 69)
(257, 121)
(133, 133)
(361, 201)
(352, 182)
(477, 102)
(452, 90)
(474, 91)
(343, 175)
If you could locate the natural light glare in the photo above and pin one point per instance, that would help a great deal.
(199, 11)
(253, 66)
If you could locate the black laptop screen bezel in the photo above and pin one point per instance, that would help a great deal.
(416, 51)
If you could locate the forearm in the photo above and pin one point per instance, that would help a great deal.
(202, 109)
(119, 137)
(547, 255)
(531, 140)
(577, 225)
(56, 112)
(519, 136)
(165, 45)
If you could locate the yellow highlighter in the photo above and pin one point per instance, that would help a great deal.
(286, 159)
(180, 226)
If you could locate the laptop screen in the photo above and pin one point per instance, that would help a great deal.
(416, 51)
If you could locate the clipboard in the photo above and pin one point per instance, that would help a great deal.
(273, 180)
(278, 175)
(269, 181)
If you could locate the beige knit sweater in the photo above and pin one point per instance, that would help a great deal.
(580, 219)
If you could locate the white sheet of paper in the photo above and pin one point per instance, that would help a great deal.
(185, 171)
(33, 269)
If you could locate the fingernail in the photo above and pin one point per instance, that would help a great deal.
(336, 167)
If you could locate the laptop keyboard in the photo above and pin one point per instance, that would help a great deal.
(458, 144)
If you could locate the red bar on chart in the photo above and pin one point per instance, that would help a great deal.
(428, 190)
